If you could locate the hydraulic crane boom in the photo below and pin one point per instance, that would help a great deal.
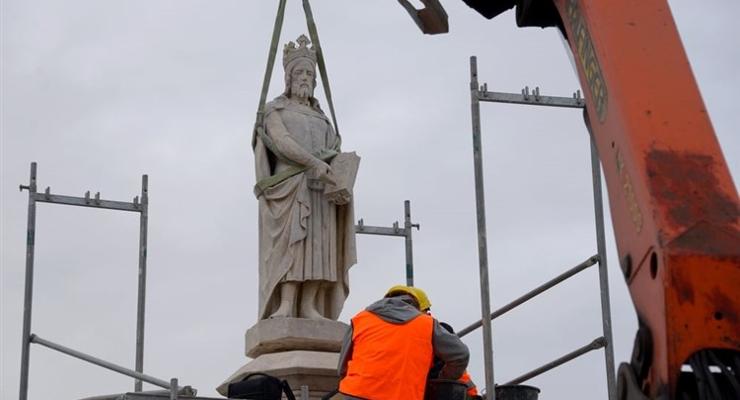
(674, 205)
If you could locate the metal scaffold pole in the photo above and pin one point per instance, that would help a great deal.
(480, 206)
(141, 302)
(28, 296)
(409, 243)
(606, 316)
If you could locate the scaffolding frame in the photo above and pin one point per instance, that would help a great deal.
(396, 231)
(480, 94)
(139, 205)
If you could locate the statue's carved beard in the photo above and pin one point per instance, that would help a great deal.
(302, 90)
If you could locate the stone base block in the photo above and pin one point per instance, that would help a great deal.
(315, 369)
(285, 334)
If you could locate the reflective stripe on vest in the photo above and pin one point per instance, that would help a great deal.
(389, 361)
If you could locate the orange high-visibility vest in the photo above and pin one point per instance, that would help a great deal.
(465, 378)
(389, 361)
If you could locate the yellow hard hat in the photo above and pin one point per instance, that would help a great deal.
(424, 303)
(419, 295)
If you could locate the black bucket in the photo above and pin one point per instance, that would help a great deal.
(445, 389)
(516, 392)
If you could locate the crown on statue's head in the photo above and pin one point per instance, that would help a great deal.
(291, 52)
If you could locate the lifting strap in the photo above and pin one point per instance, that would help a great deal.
(314, 34)
(320, 58)
(270, 64)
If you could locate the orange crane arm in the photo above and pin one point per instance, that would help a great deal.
(673, 202)
(674, 205)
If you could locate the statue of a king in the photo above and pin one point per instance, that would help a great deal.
(306, 238)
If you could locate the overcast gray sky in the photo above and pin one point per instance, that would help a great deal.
(101, 92)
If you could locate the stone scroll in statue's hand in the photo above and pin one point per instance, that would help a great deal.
(344, 171)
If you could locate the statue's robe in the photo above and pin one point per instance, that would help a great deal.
(302, 236)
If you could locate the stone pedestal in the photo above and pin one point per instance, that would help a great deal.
(302, 351)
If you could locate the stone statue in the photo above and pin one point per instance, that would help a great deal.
(306, 237)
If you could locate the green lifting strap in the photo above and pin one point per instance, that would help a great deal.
(270, 65)
(320, 58)
(272, 180)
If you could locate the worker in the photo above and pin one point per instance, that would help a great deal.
(426, 307)
(390, 346)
